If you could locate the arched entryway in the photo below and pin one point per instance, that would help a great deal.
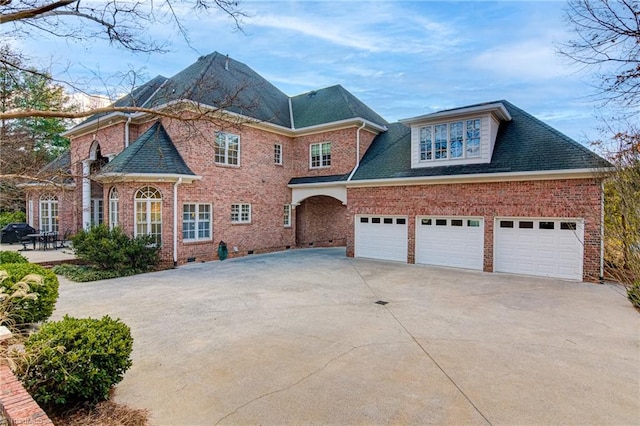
(321, 221)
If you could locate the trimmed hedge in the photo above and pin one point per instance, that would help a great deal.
(29, 310)
(76, 360)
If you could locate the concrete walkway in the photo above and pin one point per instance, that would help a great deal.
(297, 338)
(41, 256)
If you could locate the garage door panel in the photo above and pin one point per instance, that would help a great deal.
(376, 239)
(551, 248)
(443, 242)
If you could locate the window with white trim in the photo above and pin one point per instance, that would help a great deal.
(287, 216)
(277, 153)
(196, 222)
(320, 154)
(148, 213)
(48, 213)
(114, 205)
(97, 211)
(455, 140)
(227, 149)
(241, 213)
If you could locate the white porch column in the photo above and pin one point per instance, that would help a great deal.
(86, 194)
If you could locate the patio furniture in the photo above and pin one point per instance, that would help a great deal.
(14, 232)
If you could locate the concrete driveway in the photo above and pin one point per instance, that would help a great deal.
(297, 338)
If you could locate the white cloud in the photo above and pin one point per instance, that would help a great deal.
(522, 61)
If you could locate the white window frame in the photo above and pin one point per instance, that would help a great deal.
(114, 207)
(49, 213)
(97, 211)
(287, 216)
(148, 213)
(240, 213)
(277, 154)
(430, 140)
(223, 154)
(322, 162)
(200, 215)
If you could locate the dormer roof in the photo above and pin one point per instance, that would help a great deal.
(524, 145)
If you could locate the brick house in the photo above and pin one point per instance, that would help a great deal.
(485, 187)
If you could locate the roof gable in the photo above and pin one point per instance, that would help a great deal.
(152, 153)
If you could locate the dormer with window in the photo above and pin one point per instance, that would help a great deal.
(455, 137)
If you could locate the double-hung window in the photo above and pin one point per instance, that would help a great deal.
(241, 213)
(227, 149)
(320, 154)
(196, 222)
(456, 140)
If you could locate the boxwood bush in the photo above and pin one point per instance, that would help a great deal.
(12, 257)
(31, 310)
(112, 249)
(75, 360)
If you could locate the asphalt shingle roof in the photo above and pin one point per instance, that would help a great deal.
(138, 97)
(524, 144)
(319, 179)
(328, 105)
(58, 170)
(220, 81)
(152, 153)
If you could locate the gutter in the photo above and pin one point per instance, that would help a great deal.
(126, 132)
(602, 232)
(484, 177)
(357, 152)
(175, 221)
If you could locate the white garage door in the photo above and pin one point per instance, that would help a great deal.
(450, 241)
(381, 237)
(543, 247)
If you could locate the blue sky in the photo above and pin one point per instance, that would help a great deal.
(403, 59)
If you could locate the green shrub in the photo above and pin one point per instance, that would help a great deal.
(12, 217)
(633, 293)
(12, 257)
(32, 310)
(80, 273)
(112, 249)
(75, 360)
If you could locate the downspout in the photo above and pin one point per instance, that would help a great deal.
(126, 132)
(602, 232)
(357, 151)
(175, 222)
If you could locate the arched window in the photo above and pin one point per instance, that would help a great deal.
(114, 215)
(49, 213)
(148, 212)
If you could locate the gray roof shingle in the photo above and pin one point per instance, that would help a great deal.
(220, 81)
(524, 144)
(152, 153)
(328, 105)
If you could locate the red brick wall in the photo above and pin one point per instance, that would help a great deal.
(321, 221)
(570, 198)
(16, 405)
(343, 151)
(67, 207)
